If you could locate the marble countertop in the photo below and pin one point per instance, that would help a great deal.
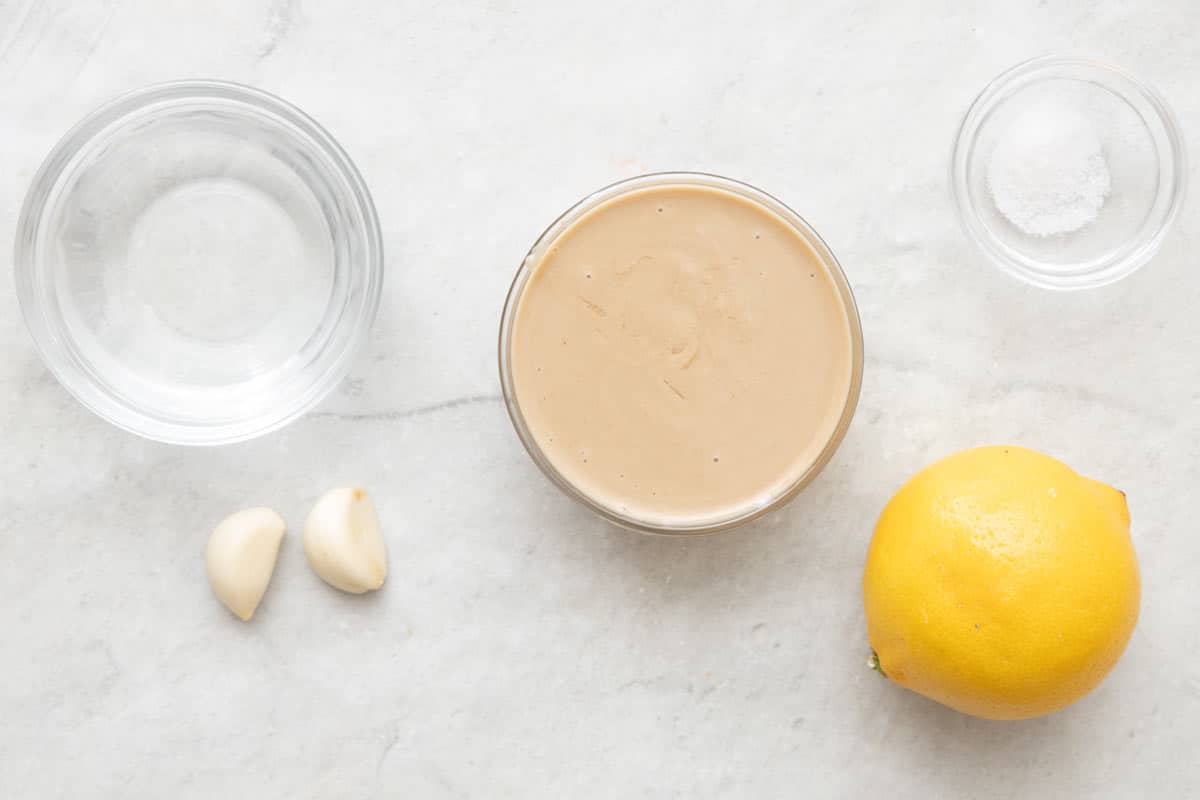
(521, 647)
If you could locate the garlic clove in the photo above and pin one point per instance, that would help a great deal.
(240, 558)
(343, 542)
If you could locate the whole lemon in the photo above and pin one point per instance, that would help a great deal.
(1001, 583)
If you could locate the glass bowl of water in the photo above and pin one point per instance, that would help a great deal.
(198, 261)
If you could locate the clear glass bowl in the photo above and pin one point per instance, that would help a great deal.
(1141, 143)
(547, 240)
(198, 261)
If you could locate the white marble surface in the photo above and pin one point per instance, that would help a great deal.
(522, 648)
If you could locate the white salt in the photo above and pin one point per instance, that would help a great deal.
(1048, 174)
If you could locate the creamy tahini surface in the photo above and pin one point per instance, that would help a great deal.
(681, 354)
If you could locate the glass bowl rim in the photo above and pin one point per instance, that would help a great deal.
(1122, 261)
(675, 178)
(75, 373)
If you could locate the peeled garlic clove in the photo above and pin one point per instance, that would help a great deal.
(240, 558)
(343, 542)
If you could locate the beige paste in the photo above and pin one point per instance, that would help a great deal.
(681, 354)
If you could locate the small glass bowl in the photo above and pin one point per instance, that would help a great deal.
(564, 223)
(198, 261)
(1142, 145)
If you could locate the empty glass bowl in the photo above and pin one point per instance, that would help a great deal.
(198, 261)
(1123, 206)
